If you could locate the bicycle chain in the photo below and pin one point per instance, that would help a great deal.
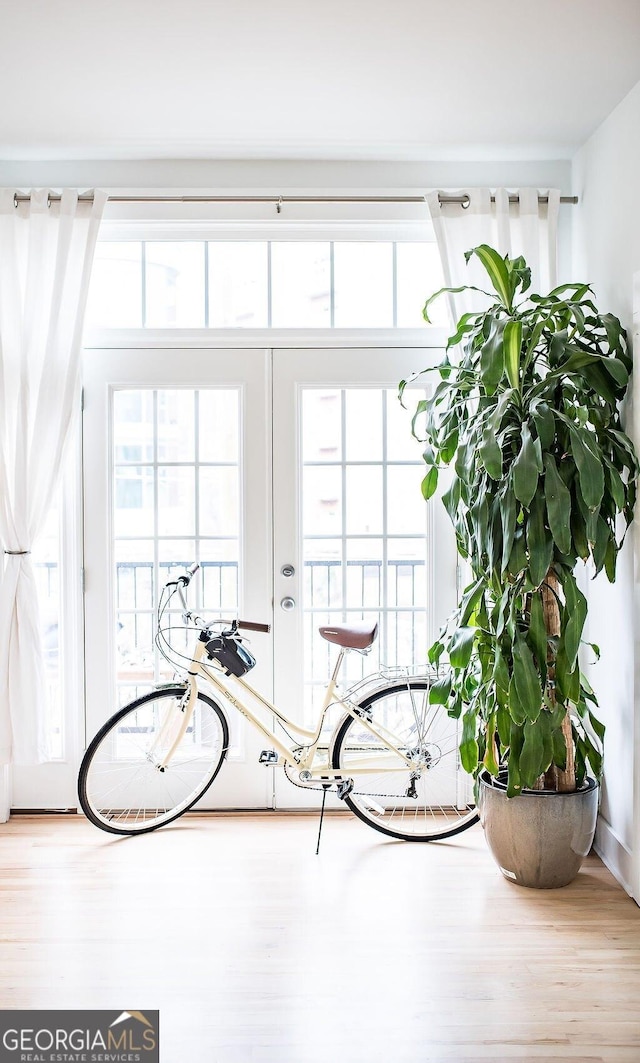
(319, 787)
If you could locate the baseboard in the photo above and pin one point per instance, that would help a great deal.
(614, 854)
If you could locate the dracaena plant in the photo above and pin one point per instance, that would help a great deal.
(527, 410)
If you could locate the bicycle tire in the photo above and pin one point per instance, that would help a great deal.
(115, 737)
(439, 808)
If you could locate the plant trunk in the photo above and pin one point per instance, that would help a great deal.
(556, 778)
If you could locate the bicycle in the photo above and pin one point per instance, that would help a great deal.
(392, 757)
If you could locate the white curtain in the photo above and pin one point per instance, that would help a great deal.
(46, 253)
(527, 227)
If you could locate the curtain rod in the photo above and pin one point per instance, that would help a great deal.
(280, 201)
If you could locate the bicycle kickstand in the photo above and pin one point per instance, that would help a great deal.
(324, 798)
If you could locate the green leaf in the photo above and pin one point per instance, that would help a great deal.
(559, 747)
(525, 469)
(492, 357)
(516, 740)
(533, 749)
(538, 634)
(518, 556)
(616, 370)
(508, 518)
(501, 673)
(435, 651)
(497, 270)
(451, 499)
(615, 485)
(610, 559)
(503, 723)
(460, 647)
(600, 544)
(471, 597)
(589, 465)
(516, 708)
(567, 678)
(440, 690)
(539, 541)
(545, 423)
(527, 679)
(491, 455)
(512, 343)
(468, 743)
(558, 501)
(490, 759)
(430, 483)
(575, 616)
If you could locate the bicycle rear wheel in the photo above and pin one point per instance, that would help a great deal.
(123, 786)
(428, 800)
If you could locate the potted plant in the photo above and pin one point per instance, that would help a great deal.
(528, 414)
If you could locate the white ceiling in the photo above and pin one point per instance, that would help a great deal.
(337, 79)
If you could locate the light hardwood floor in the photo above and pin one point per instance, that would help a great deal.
(257, 951)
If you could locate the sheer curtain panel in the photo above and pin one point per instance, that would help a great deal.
(46, 253)
(528, 227)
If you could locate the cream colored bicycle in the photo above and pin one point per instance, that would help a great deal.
(392, 758)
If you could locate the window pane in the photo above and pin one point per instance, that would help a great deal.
(321, 500)
(219, 500)
(300, 285)
(134, 492)
(175, 425)
(218, 419)
(321, 425)
(407, 510)
(363, 279)
(419, 275)
(364, 499)
(133, 425)
(401, 443)
(176, 500)
(174, 285)
(115, 295)
(238, 285)
(363, 428)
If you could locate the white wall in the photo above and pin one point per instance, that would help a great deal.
(607, 254)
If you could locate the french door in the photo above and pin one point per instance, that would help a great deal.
(177, 468)
(353, 538)
(293, 477)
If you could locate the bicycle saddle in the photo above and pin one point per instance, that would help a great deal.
(350, 636)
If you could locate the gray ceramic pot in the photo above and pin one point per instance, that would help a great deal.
(538, 838)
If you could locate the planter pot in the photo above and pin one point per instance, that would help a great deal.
(540, 837)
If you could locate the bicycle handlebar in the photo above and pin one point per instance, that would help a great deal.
(184, 581)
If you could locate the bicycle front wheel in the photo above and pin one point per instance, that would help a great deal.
(125, 788)
(429, 798)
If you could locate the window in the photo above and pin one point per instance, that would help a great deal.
(294, 283)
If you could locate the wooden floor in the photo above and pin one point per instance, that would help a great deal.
(257, 951)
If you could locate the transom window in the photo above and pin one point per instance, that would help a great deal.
(265, 283)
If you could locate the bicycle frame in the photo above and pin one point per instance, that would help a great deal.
(299, 757)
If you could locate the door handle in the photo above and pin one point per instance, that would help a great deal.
(287, 604)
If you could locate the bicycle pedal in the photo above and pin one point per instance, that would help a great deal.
(268, 756)
(344, 788)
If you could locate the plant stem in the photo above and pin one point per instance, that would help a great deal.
(563, 781)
